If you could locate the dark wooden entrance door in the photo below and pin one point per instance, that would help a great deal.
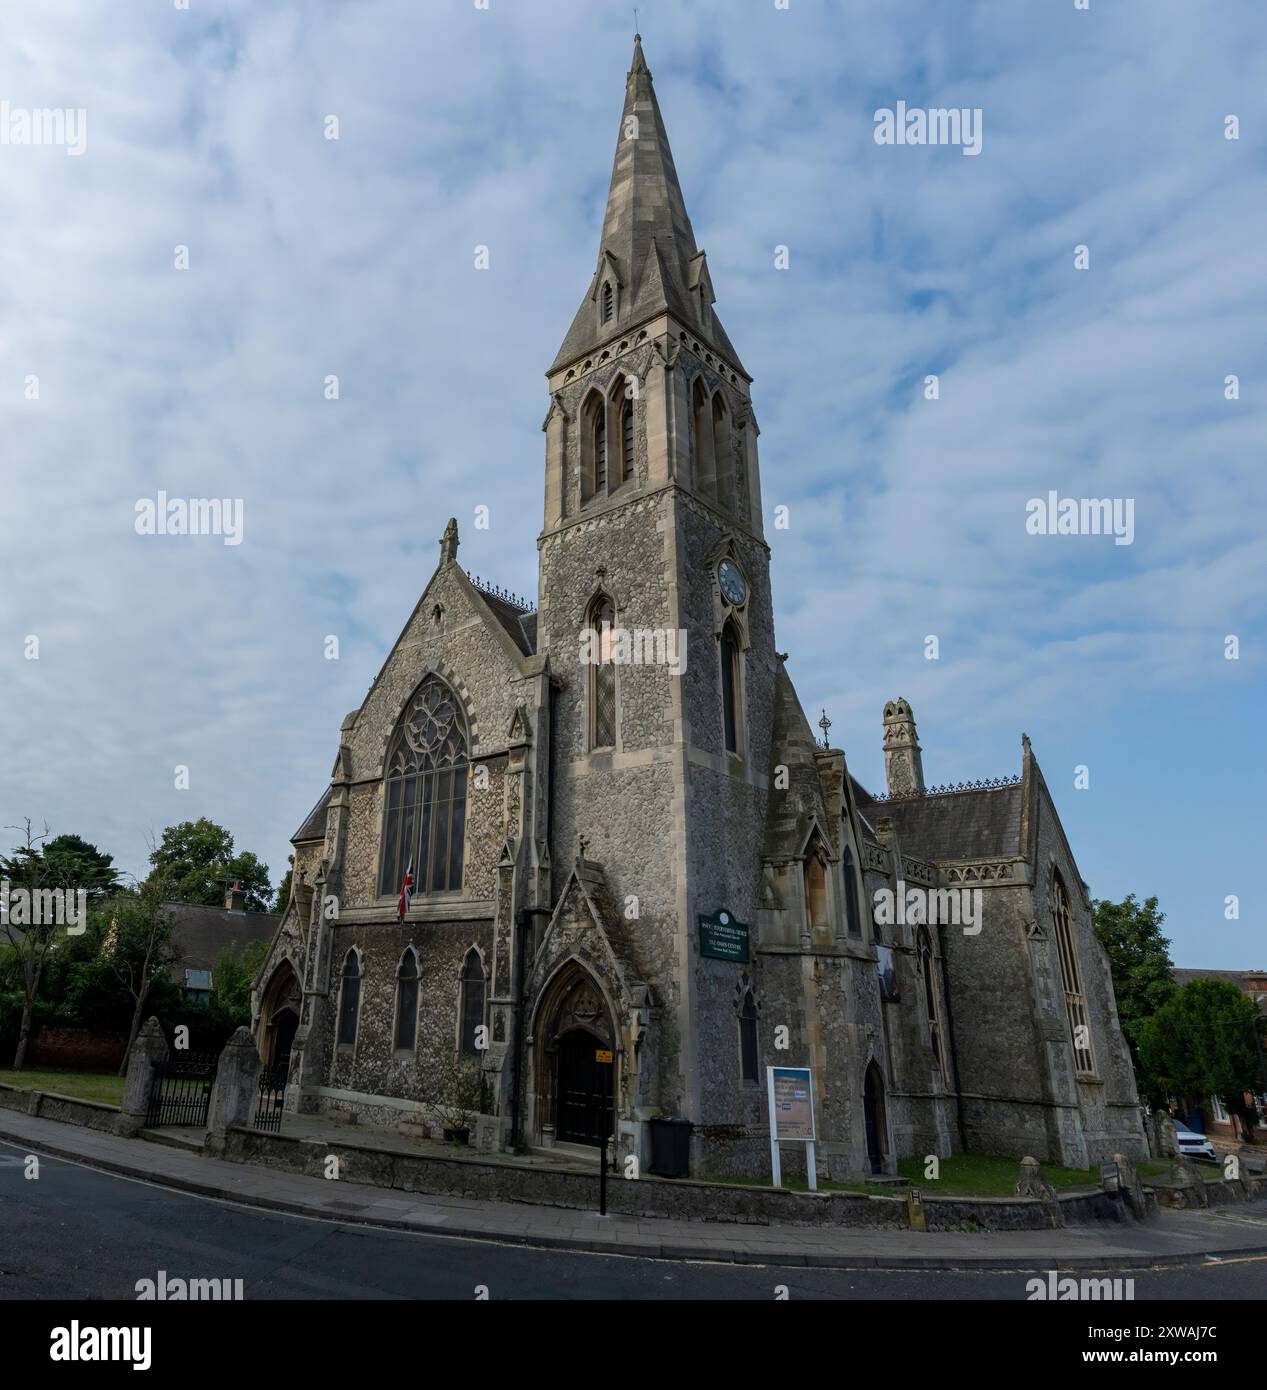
(283, 1037)
(585, 1116)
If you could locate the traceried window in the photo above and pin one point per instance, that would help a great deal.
(853, 917)
(407, 1002)
(927, 970)
(349, 999)
(749, 1060)
(731, 688)
(474, 988)
(602, 622)
(424, 821)
(1075, 1003)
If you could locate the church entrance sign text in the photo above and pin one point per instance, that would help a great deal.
(722, 938)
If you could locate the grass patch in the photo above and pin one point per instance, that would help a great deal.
(988, 1175)
(83, 1085)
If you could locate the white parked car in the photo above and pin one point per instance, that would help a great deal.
(1193, 1145)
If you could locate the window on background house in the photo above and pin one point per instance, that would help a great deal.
(749, 1060)
(424, 821)
(407, 1002)
(1075, 1003)
(473, 991)
(349, 999)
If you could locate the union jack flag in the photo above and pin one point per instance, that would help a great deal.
(406, 893)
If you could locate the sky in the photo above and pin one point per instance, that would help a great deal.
(124, 372)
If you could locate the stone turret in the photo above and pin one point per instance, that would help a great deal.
(903, 769)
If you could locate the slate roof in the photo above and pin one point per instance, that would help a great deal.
(952, 825)
(646, 232)
(201, 935)
(314, 828)
(1252, 982)
(522, 627)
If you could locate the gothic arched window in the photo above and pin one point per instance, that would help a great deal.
(349, 999)
(817, 903)
(593, 446)
(407, 1002)
(703, 460)
(474, 988)
(1075, 1003)
(424, 821)
(722, 463)
(626, 440)
(602, 622)
(749, 1059)
(731, 688)
(853, 918)
(927, 969)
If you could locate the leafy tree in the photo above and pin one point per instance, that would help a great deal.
(139, 947)
(232, 978)
(1139, 957)
(30, 941)
(71, 862)
(283, 888)
(197, 863)
(1201, 1043)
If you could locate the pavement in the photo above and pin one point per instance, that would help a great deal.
(1174, 1238)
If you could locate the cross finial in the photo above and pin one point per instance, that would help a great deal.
(824, 724)
(637, 26)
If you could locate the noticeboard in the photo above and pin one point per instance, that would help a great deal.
(722, 938)
(791, 1092)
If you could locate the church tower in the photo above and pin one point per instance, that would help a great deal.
(655, 616)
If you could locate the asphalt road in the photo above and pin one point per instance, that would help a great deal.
(76, 1233)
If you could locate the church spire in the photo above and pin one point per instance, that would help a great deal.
(647, 258)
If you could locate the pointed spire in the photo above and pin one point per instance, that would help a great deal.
(647, 254)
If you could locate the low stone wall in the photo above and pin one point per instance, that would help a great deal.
(1220, 1193)
(682, 1199)
(48, 1105)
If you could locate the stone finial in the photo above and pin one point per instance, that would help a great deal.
(449, 542)
(903, 767)
(1026, 750)
(1032, 1183)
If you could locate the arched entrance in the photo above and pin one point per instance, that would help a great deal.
(877, 1125)
(574, 1089)
(279, 1017)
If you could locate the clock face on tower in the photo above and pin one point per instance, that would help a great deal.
(732, 583)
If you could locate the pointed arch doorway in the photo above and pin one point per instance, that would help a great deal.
(575, 1090)
(279, 1017)
(876, 1121)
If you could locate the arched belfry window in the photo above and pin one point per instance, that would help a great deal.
(349, 999)
(703, 458)
(853, 917)
(602, 700)
(722, 460)
(593, 446)
(474, 990)
(609, 302)
(1075, 1002)
(424, 820)
(731, 689)
(626, 439)
(407, 1002)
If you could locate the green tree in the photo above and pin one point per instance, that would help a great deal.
(139, 947)
(30, 935)
(1139, 957)
(1201, 1043)
(283, 888)
(232, 978)
(197, 862)
(72, 863)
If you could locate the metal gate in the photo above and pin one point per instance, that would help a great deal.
(272, 1093)
(181, 1091)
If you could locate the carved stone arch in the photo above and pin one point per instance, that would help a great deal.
(594, 437)
(572, 1011)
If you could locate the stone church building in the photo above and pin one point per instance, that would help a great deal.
(591, 795)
